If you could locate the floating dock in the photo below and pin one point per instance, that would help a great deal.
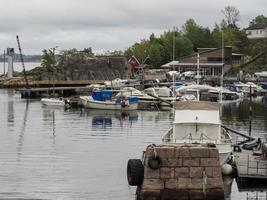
(250, 166)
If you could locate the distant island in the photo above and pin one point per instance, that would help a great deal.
(27, 58)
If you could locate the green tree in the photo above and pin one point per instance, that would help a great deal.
(260, 19)
(199, 36)
(48, 59)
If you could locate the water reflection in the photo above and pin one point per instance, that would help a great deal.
(10, 112)
(227, 183)
(103, 119)
(102, 122)
(22, 131)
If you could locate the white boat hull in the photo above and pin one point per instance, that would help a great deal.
(52, 102)
(88, 102)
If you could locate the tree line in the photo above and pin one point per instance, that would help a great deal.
(176, 43)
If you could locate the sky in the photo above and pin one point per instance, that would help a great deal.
(107, 24)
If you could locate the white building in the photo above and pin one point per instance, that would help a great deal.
(257, 31)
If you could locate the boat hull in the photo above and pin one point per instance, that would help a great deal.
(52, 102)
(106, 105)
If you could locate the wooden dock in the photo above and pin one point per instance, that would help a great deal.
(250, 166)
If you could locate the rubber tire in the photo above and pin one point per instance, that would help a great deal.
(154, 162)
(135, 172)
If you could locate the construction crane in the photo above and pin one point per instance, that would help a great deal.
(22, 61)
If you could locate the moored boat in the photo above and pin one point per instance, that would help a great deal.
(103, 99)
(55, 102)
(198, 122)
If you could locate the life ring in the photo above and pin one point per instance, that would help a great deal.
(154, 162)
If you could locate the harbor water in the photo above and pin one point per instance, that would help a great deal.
(52, 153)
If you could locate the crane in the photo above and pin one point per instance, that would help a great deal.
(22, 61)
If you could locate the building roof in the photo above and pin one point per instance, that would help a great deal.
(167, 65)
(256, 27)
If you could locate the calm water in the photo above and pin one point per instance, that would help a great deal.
(18, 66)
(82, 154)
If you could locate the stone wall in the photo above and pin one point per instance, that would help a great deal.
(186, 172)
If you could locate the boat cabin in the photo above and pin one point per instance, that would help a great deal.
(196, 121)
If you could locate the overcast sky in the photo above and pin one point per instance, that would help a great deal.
(106, 24)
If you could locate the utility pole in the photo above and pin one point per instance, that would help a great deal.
(4, 63)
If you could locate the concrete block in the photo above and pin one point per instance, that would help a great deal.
(196, 172)
(196, 183)
(168, 194)
(209, 172)
(215, 194)
(182, 172)
(169, 162)
(210, 162)
(183, 183)
(152, 184)
(165, 151)
(171, 183)
(196, 194)
(184, 152)
(151, 173)
(214, 153)
(216, 172)
(199, 152)
(179, 162)
(166, 172)
(191, 162)
(215, 183)
(149, 194)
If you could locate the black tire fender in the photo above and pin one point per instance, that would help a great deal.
(154, 162)
(135, 172)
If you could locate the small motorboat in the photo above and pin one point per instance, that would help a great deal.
(55, 102)
(103, 99)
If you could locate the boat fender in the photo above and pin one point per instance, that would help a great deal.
(154, 162)
(135, 172)
(124, 103)
(237, 148)
(227, 170)
(211, 145)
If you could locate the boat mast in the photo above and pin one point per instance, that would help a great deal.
(173, 59)
(222, 68)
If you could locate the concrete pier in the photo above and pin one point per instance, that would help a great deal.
(183, 172)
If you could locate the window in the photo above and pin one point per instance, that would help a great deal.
(214, 59)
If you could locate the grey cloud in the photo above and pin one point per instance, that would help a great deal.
(107, 24)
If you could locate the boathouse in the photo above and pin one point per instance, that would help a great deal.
(210, 61)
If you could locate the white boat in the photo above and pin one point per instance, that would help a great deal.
(198, 122)
(102, 99)
(209, 93)
(164, 93)
(54, 102)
